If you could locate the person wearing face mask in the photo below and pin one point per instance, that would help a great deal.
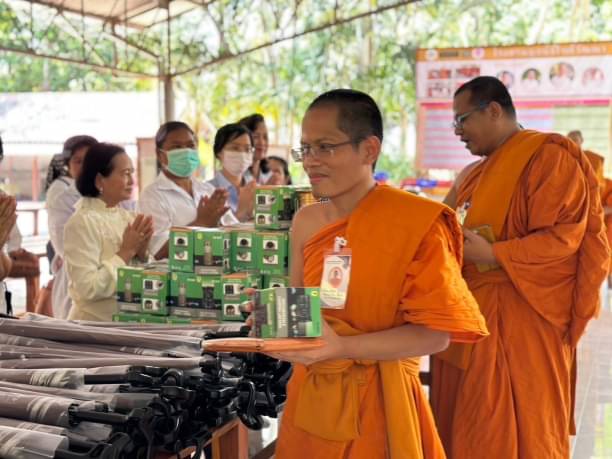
(176, 198)
(259, 169)
(233, 147)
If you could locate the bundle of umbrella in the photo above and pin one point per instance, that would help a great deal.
(109, 390)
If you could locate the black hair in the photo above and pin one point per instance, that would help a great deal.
(486, 89)
(228, 133)
(75, 143)
(1, 150)
(99, 160)
(358, 114)
(252, 121)
(167, 128)
(285, 167)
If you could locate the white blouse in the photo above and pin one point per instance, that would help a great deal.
(92, 238)
(170, 205)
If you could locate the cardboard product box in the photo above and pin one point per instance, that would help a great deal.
(275, 281)
(243, 254)
(287, 313)
(155, 291)
(234, 286)
(211, 251)
(232, 310)
(196, 313)
(180, 249)
(129, 284)
(149, 318)
(298, 312)
(274, 207)
(273, 252)
(129, 307)
(264, 314)
(189, 290)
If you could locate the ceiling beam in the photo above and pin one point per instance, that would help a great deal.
(108, 68)
(319, 28)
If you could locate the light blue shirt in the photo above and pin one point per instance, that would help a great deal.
(219, 181)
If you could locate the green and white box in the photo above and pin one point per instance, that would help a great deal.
(273, 252)
(234, 296)
(155, 291)
(211, 251)
(129, 288)
(264, 315)
(180, 249)
(298, 312)
(243, 250)
(189, 290)
(196, 313)
(275, 281)
(274, 207)
(287, 313)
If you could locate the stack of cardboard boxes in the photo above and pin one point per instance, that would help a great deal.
(208, 270)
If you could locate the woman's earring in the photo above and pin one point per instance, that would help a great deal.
(101, 190)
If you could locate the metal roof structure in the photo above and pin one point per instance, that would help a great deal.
(165, 39)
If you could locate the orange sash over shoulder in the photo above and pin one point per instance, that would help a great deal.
(491, 200)
(489, 205)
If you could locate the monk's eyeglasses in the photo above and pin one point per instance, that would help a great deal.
(319, 151)
(460, 119)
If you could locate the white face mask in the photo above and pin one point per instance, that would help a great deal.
(236, 163)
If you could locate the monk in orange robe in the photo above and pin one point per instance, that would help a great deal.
(359, 396)
(535, 255)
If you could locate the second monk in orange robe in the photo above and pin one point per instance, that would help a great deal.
(537, 284)
(360, 396)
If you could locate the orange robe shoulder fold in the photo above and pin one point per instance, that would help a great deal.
(405, 269)
(511, 396)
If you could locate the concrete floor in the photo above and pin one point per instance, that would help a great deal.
(594, 391)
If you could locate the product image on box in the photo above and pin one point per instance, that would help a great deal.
(180, 249)
(231, 311)
(211, 251)
(298, 312)
(155, 291)
(195, 291)
(287, 313)
(275, 281)
(272, 252)
(129, 284)
(242, 250)
(264, 315)
(274, 206)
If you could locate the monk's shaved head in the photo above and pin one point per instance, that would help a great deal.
(486, 89)
(358, 114)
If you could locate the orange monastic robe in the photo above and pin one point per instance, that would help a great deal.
(606, 200)
(510, 396)
(406, 269)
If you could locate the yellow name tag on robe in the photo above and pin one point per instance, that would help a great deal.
(486, 231)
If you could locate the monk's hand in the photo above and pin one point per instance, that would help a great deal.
(333, 348)
(477, 249)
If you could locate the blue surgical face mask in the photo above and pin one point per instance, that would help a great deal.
(183, 162)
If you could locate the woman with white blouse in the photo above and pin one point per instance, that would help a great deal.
(101, 236)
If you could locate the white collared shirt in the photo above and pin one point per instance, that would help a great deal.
(170, 205)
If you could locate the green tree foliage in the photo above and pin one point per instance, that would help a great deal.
(375, 54)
